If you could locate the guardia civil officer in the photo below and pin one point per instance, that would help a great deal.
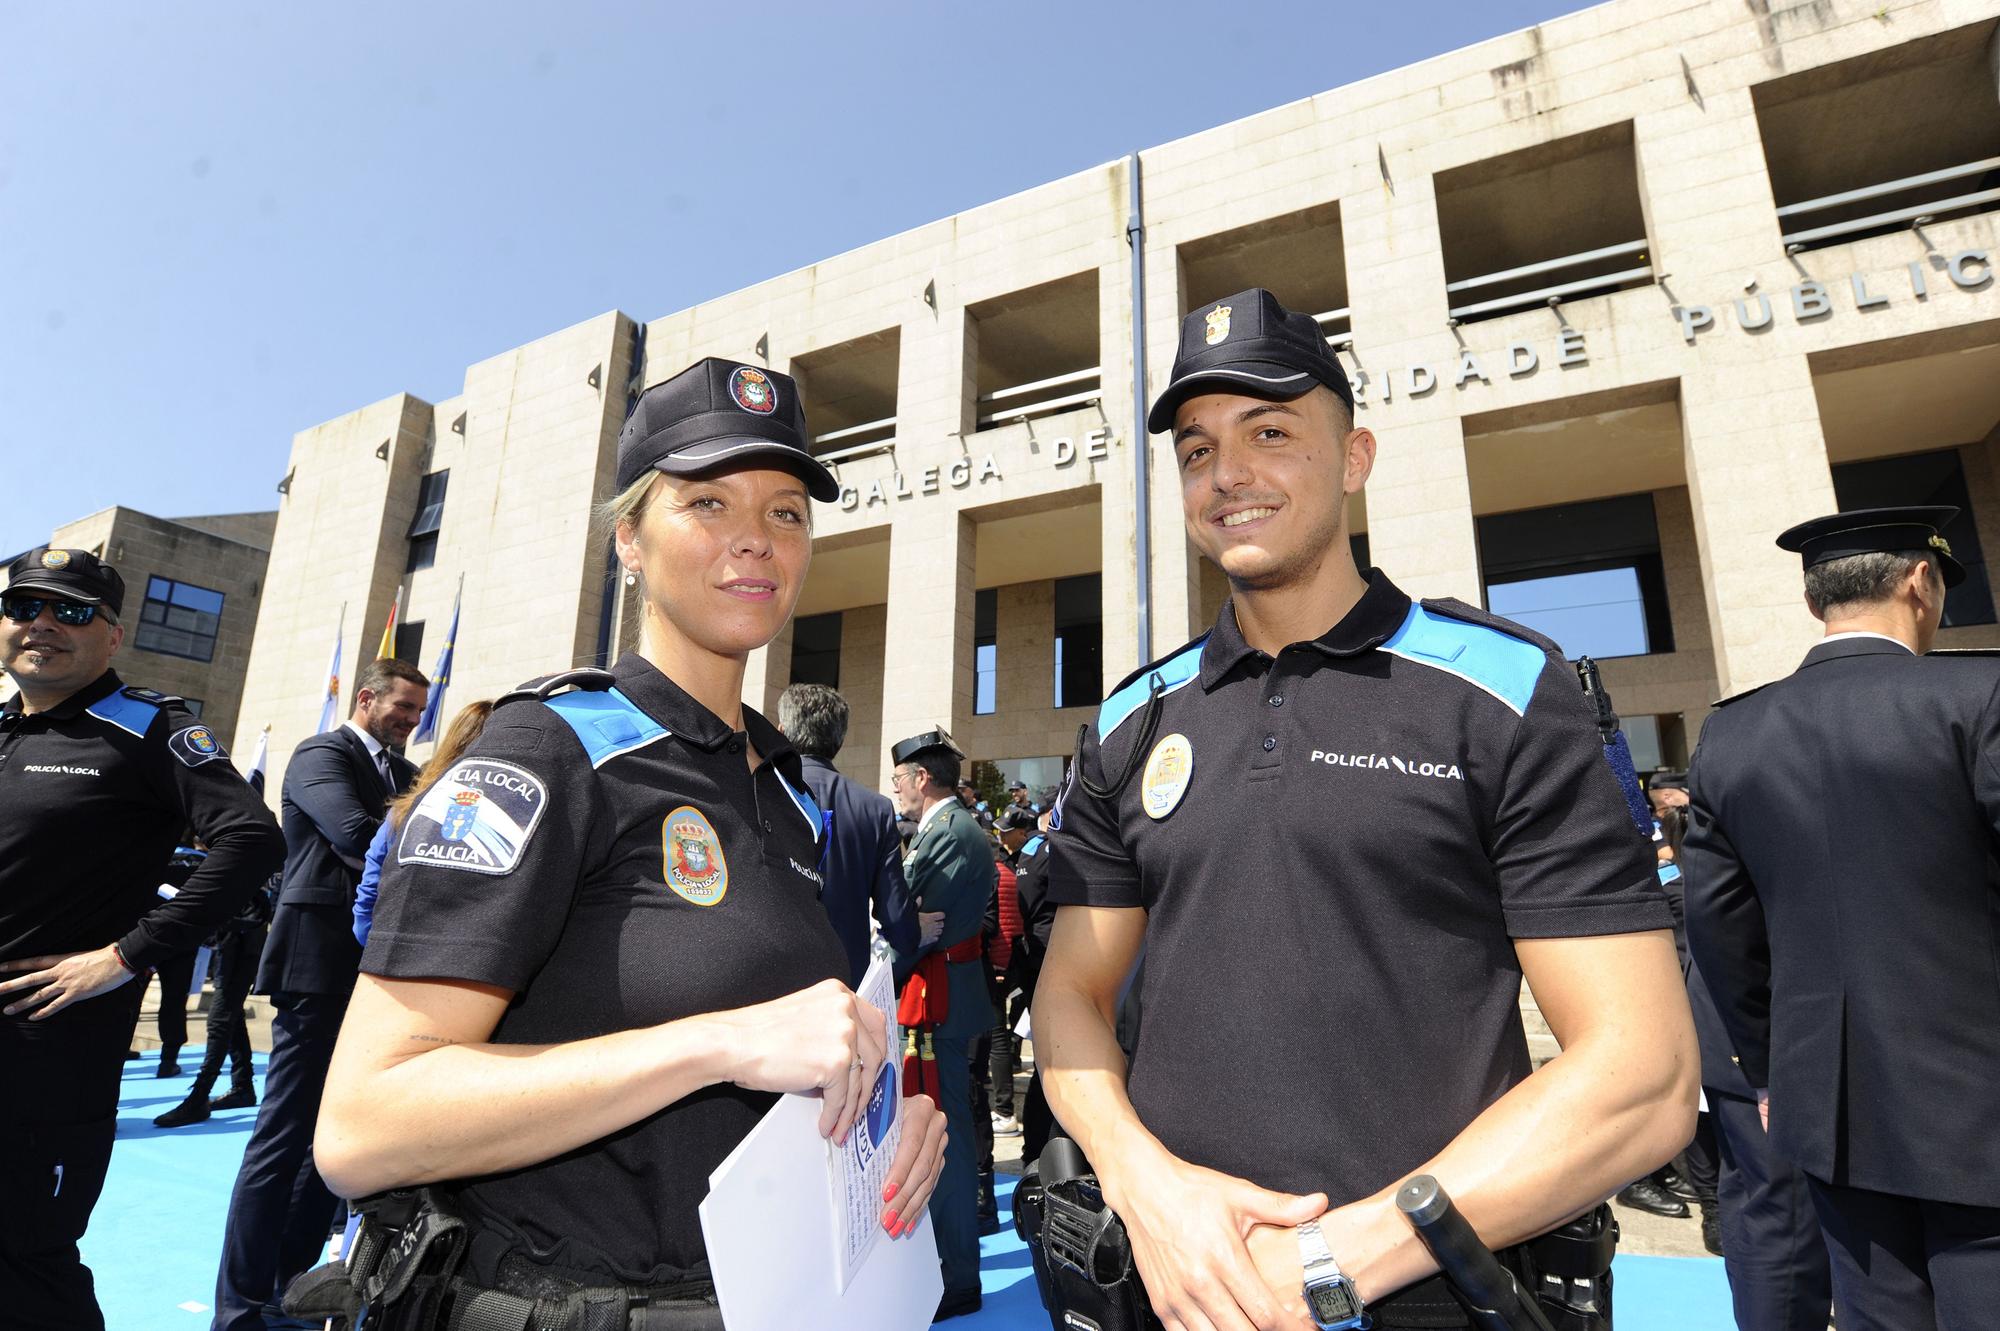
(598, 947)
(1344, 824)
(950, 870)
(97, 779)
(1844, 909)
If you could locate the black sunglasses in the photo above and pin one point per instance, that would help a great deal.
(28, 609)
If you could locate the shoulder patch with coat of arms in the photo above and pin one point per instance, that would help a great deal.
(477, 817)
(195, 745)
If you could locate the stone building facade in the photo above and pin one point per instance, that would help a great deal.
(1625, 294)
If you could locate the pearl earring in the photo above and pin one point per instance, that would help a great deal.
(631, 579)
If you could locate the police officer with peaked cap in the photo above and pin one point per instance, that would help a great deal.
(598, 950)
(1844, 909)
(950, 869)
(1344, 824)
(98, 779)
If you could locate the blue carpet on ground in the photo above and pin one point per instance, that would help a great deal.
(157, 1232)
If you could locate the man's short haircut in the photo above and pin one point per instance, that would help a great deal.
(377, 675)
(1860, 580)
(814, 718)
(941, 765)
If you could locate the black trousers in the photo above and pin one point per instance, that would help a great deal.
(1771, 1245)
(58, 1113)
(281, 1210)
(1699, 1164)
(176, 979)
(228, 1034)
(1906, 1264)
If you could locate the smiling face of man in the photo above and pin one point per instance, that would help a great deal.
(50, 660)
(1264, 485)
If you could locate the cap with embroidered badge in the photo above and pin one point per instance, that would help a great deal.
(1912, 529)
(718, 414)
(1248, 343)
(77, 575)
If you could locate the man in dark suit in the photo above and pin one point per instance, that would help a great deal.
(337, 788)
(863, 863)
(1842, 906)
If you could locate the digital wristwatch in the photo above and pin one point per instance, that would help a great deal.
(1331, 1298)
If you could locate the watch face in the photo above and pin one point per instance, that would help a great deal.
(1333, 1303)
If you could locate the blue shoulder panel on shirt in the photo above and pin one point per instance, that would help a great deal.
(126, 712)
(802, 800)
(1173, 673)
(1487, 658)
(608, 723)
(1033, 844)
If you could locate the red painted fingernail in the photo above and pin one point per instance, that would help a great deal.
(889, 1193)
(889, 1222)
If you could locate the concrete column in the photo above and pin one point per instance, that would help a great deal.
(861, 641)
(927, 665)
(1118, 492)
(1420, 528)
(767, 672)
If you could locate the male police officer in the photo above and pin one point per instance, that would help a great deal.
(1344, 826)
(1844, 908)
(97, 780)
(950, 869)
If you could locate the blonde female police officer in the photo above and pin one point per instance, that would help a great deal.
(599, 947)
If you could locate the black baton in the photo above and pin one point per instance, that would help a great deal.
(1497, 1301)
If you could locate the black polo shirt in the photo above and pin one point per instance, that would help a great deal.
(1335, 849)
(608, 855)
(95, 793)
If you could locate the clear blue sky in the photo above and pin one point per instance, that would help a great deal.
(221, 225)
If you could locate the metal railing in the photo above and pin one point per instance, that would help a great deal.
(1582, 286)
(1336, 326)
(1916, 212)
(1041, 406)
(885, 429)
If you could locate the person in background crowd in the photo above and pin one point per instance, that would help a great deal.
(176, 973)
(863, 863)
(1694, 1177)
(1038, 915)
(1843, 910)
(950, 869)
(1005, 960)
(98, 780)
(1020, 797)
(458, 736)
(337, 787)
(968, 795)
(237, 945)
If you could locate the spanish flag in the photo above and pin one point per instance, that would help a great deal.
(388, 647)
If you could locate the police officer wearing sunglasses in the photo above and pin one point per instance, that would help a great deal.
(97, 782)
(599, 947)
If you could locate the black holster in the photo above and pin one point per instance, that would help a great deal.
(1083, 1265)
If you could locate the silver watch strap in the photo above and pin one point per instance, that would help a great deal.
(1314, 1255)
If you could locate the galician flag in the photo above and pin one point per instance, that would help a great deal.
(388, 647)
(329, 710)
(427, 728)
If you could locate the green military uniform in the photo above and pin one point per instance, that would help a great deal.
(950, 869)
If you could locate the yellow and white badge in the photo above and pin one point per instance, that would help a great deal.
(1167, 774)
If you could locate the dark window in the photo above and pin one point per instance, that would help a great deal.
(1080, 641)
(985, 651)
(816, 650)
(1926, 478)
(194, 705)
(179, 619)
(423, 553)
(1587, 575)
(409, 641)
(430, 504)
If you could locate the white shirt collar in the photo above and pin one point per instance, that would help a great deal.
(934, 811)
(1865, 633)
(375, 746)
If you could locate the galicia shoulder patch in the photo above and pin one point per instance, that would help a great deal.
(195, 745)
(478, 817)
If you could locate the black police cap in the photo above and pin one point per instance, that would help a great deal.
(904, 750)
(719, 414)
(75, 574)
(1250, 344)
(1868, 531)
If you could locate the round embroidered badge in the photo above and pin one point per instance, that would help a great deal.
(753, 390)
(1167, 774)
(694, 868)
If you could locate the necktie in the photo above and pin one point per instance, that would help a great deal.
(382, 766)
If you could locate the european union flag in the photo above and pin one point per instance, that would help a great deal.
(428, 727)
